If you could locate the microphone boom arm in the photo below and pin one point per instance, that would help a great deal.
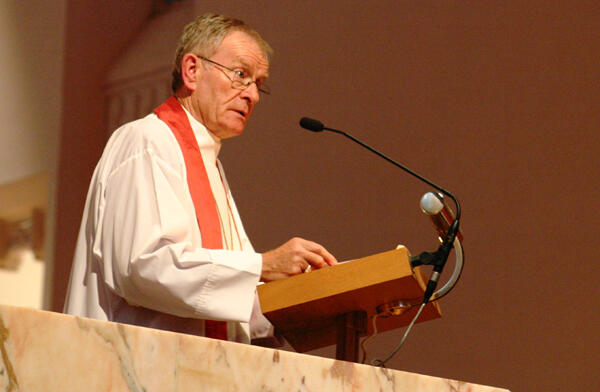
(406, 169)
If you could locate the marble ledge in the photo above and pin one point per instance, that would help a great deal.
(45, 351)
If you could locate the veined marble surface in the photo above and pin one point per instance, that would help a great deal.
(45, 351)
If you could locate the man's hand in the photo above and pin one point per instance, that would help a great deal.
(293, 258)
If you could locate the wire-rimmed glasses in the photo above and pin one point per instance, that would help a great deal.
(238, 77)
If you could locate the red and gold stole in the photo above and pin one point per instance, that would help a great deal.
(205, 205)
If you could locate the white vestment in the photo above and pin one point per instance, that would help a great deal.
(139, 257)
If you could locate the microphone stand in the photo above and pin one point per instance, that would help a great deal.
(437, 258)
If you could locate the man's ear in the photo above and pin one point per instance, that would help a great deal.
(189, 68)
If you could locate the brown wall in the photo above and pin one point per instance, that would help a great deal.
(496, 101)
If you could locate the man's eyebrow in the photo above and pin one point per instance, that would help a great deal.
(240, 62)
(244, 64)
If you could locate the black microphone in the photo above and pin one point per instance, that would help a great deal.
(311, 124)
(437, 258)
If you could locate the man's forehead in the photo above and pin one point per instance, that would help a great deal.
(244, 49)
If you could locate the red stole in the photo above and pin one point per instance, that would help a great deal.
(172, 113)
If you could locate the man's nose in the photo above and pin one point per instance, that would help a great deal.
(251, 93)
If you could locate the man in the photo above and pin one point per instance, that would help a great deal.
(161, 243)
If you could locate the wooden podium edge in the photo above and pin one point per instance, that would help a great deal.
(303, 308)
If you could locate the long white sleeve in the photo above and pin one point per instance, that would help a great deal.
(140, 245)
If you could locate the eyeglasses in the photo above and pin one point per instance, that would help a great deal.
(238, 77)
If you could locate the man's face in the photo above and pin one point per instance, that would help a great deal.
(222, 109)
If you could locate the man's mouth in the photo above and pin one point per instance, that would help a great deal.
(241, 113)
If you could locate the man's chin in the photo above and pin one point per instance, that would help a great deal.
(230, 135)
(229, 132)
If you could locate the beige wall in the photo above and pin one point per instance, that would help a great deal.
(31, 43)
(31, 61)
(496, 101)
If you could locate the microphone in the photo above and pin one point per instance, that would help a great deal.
(311, 124)
(441, 215)
(438, 258)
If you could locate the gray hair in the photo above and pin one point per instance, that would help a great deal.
(205, 34)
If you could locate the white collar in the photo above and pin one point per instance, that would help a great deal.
(209, 143)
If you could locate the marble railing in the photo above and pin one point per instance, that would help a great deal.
(44, 351)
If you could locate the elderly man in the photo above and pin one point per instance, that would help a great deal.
(161, 243)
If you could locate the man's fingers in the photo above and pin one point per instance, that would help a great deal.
(293, 258)
(317, 255)
(314, 259)
(327, 257)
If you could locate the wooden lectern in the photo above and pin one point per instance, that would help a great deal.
(334, 305)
